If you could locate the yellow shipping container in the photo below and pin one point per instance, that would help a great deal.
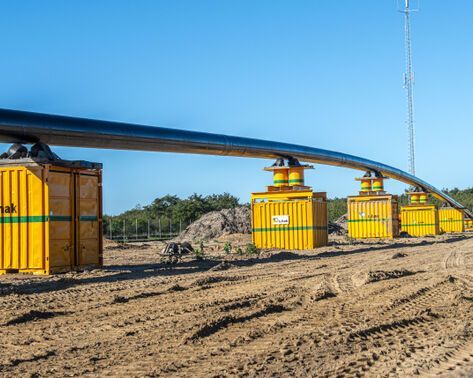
(294, 220)
(373, 217)
(468, 224)
(51, 216)
(451, 220)
(420, 220)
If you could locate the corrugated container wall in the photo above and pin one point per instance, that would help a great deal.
(373, 217)
(51, 218)
(468, 225)
(420, 220)
(451, 220)
(294, 220)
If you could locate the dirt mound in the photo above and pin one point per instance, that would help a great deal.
(218, 223)
(381, 275)
(398, 255)
(34, 315)
(321, 293)
(118, 247)
(224, 265)
(114, 246)
(109, 244)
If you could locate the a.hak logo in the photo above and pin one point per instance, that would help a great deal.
(9, 209)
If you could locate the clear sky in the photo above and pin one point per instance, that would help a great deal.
(327, 74)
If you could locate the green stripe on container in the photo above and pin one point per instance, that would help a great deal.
(25, 219)
(60, 218)
(367, 220)
(418, 225)
(294, 228)
(43, 218)
(451, 220)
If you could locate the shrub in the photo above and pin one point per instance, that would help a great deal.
(199, 254)
(227, 248)
(251, 250)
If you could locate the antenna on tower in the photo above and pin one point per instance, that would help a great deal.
(405, 6)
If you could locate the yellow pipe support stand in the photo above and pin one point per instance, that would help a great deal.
(366, 185)
(296, 176)
(415, 198)
(378, 185)
(281, 177)
(423, 198)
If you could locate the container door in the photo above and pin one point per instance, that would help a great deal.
(395, 218)
(61, 232)
(22, 219)
(88, 219)
(320, 222)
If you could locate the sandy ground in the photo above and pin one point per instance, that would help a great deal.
(395, 308)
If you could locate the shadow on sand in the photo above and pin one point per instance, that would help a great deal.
(144, 271)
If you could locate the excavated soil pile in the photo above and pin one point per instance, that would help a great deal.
(218, 223)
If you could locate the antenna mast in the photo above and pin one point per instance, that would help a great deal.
(408, 85)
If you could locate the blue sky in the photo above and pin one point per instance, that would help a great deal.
(321, 73)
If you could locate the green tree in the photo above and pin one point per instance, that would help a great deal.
(336, 208)
(169, 211)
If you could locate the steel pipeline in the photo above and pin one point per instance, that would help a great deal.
(26, 127)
